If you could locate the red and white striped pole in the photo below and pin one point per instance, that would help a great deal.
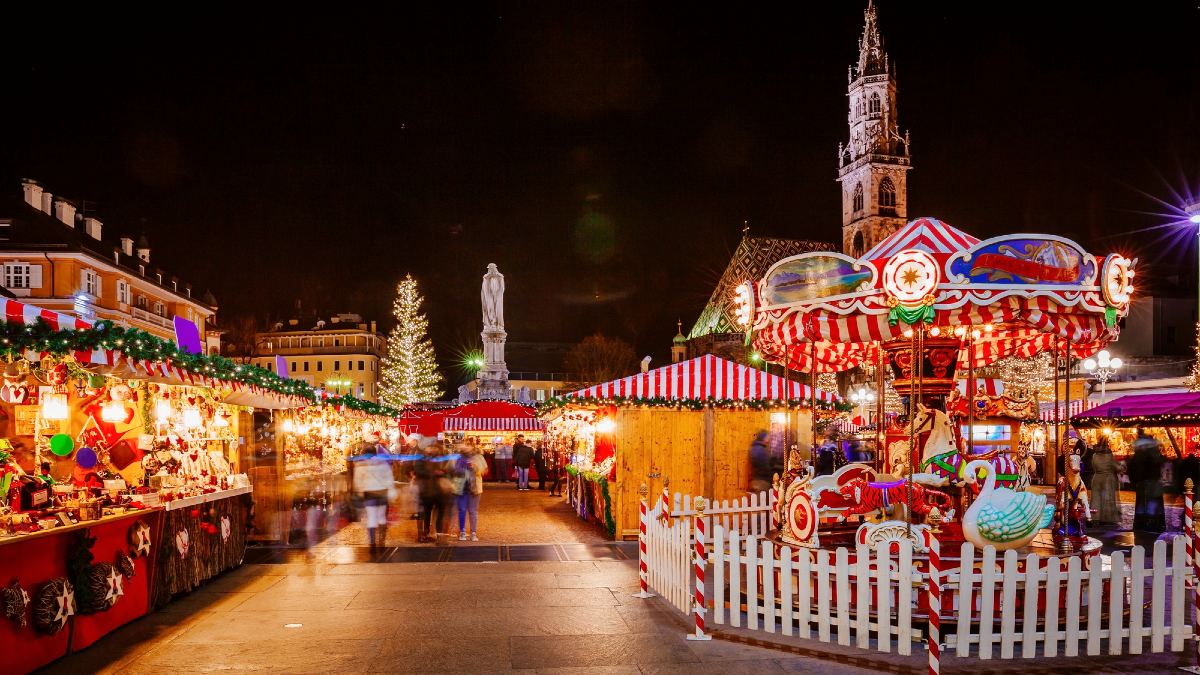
(699, 564)
(774, 502)
(666, 502)
(1190, 526)
(643, 570)
(935, 598)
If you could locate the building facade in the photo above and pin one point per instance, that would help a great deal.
(342, 355)
(873, 164)
(57, 258)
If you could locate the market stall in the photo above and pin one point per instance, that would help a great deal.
(1172, 418)
(121, 476)
(692, 422)
(489, 423)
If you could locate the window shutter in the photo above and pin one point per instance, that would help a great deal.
(35, 276)
(83, 281)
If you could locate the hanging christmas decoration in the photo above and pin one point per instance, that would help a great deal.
(139, 538)
(104, 585)
(16, 603)
(53, 606)
(124, 565)
(226, 528)
(183, 542)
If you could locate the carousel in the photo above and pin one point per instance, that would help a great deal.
(926, 307)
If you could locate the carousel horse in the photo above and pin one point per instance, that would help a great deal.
(952, 465)
(942, 456)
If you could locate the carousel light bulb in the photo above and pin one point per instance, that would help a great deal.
(976, 334)
(908, 333)
(192, 418)
(987, 327)
(112, 411)
(54, 407)
(935, 331)
(960, 331)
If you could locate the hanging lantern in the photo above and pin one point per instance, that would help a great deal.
(54, 407)
(192, 418)
(112, 411)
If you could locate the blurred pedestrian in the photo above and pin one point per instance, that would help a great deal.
(434, 490)
(1145, 472)
(373, 480)
(472, 467)
(1104, 484)
(760, 463)
(523, 458)
(554, 464)
(503, 459)
(539, 463)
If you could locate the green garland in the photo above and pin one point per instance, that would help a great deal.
(557, 402)
(17, 338)
(610, 524)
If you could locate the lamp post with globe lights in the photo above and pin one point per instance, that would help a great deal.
(1193, 213)
(861, 397)
(1104, 366)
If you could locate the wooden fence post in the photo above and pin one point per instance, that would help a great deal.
(1189, 526)
(700, 562)
(643, 569)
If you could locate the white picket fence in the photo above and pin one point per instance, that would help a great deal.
(993, 605)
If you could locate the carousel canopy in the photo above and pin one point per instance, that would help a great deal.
(704, 377)
(1144, 410)
(829, 312)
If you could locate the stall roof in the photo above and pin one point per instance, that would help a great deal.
(1144, 410)
(704, 377)
(473, 416)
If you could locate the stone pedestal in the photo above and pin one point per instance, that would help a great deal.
(493, 378)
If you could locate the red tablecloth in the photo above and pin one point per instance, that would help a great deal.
(41, 559)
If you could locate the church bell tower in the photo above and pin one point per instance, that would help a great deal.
(873, 165)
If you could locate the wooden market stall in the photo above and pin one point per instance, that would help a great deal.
(692, 423)
(489, 422)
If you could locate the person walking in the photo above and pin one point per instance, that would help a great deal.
(539, 463)
(434, 490)
(1087, 454)
(503, 459)
(472, 468)
(1145, 472)
(373, 480)
(554, 464)
(760, 463)
(523, 458)
(1104, 485)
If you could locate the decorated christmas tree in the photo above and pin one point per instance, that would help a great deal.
(410, 371)
(1193, 380)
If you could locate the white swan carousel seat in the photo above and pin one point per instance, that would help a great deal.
(1001, 517)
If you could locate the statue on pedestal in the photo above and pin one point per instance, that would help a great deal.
(493, 378)
(492, 295)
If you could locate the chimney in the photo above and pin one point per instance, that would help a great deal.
(143, 249)
(127, 246)
(65, 211)
(92, 227)
(33, 194)
(47, 203)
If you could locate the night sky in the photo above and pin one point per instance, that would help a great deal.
(604, 155)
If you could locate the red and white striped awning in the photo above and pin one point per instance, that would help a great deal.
(493, 424)
(19, 312)
(1046, 410)
(704, 377)
(483, 416)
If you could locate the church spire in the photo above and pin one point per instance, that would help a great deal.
(872, 60)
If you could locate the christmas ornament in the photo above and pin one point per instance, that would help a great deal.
(183, 543)
(105, 585)
(14, 389)
(16, 602)
(61, 444)
(139, 538)
(85, 458)
(225, 528)
(125, 566)
(54, 605)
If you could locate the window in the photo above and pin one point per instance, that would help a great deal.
(89, 282)
(123, 291)
(337, 342)
(306, 366)
(18, 275)
(541, 395)
(319, 365)
(160, 309)
(142, 301)
(858, 197)
(360, 366)
(294, 366)
(862, 109)
(856, 249)
(875, 103)
(337, 365)
(887, 193)
(372, 366)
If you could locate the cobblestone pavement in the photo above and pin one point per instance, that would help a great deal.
(506, 516)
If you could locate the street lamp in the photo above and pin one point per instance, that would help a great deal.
(1104, 366)
(1193, 212)
(861, 397)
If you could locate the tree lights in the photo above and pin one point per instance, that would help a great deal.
(410, 369)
